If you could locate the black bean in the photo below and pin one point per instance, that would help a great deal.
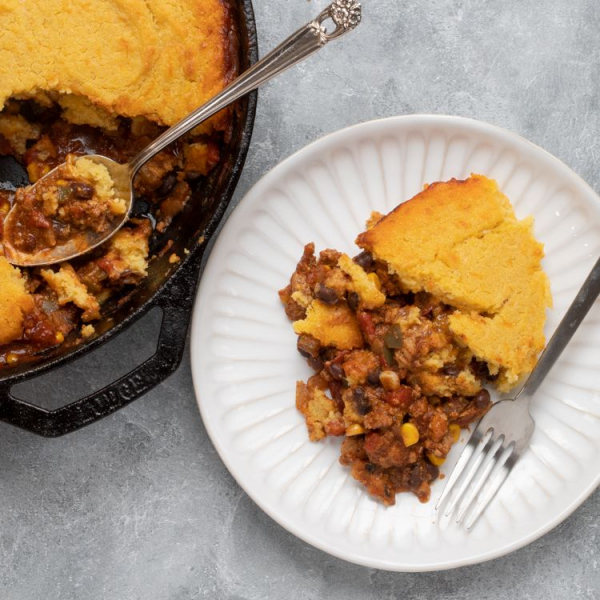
(364, 259)
(326, 294)
(432, 470)
(373, 377)
(482, 399)
(358, 394)
(353, 300)
(167, 185)
(308, 346)
(361, 402)
(415, 479)
(336, 371)
(328, 354)
(61, 230)
(451, 370)
(481, 371)
(81, 190)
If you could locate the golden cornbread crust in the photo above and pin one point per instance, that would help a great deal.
(133, 58)
(461, 242)
(15, 302)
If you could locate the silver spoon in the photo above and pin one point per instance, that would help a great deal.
(345, 14)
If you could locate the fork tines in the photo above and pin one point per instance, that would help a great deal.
(481, 470)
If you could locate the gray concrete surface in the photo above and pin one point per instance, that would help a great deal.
(139, 506)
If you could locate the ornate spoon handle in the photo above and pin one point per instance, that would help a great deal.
(345, 14)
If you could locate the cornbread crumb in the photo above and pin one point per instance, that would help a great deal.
(200, 157)
(50, 201)
(322, 416)
(302, 299)
(68, 288)
(87, 331)
(98, 175)
(129, 248)
(371, 297)
(15, 302)
(461, 242)
(18, 131)
(374, 219)
(331, 325)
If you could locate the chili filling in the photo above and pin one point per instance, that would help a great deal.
(389, 375)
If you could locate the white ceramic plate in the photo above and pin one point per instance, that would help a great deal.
(245, 362)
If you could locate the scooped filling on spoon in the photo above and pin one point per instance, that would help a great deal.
(76, 198)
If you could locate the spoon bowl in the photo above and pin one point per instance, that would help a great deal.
(84, 241)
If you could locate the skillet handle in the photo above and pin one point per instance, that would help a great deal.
(177, 302)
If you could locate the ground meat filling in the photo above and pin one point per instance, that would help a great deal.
(401, 396)
(68, 296)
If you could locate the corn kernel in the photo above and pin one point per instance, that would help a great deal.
(373, 278)
(60, 338)
(410, 434)
(435, 460)
(11, 358)
(455, 431)
(389, 380)
(355, 429)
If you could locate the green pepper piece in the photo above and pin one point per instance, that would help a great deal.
(388, 356)
(393, 337)
(64, 193)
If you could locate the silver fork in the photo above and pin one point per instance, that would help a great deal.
(505, 431)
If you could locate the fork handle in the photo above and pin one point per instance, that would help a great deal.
(584, 300)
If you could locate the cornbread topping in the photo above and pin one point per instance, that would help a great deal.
(404, 336)
(15, 302)
(444, 242)
(99, 78)
(160, 60)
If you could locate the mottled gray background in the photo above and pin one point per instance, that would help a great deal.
(140, 505)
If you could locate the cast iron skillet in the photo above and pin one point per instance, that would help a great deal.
(171, 287)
